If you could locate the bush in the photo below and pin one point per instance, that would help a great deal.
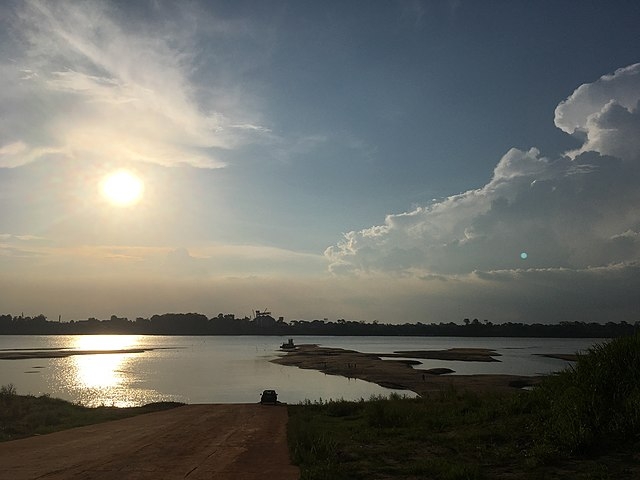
(594, 402)
(7, 390)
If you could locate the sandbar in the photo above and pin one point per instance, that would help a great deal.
(569, 357)
(395, 374)
(26, 354)
(457, 354)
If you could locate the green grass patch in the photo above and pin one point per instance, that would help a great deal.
(583, 423)
(26, 415)
(444, 436)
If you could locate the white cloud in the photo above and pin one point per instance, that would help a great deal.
(13, 148)
(88, 81)
(575, 212)
(589, 99)
(606, 113)
(12, 154)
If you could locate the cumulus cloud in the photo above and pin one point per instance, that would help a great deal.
(85, 80)
(606, 113)
(621, 87)
(576, 212)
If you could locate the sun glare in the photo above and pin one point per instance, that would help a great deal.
(122, 188)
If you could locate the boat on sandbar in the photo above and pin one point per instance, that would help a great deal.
(288, 345)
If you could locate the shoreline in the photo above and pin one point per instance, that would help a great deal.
(399, 374)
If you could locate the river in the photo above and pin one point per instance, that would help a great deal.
(235, 369)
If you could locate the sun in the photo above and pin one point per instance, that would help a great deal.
(122, 188)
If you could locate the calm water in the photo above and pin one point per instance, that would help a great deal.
(236, 369)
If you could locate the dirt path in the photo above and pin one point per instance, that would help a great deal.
(239, 442)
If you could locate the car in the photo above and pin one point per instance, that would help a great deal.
(269, 396)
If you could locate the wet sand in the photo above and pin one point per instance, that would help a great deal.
(398, 374)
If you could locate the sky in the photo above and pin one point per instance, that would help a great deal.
(403, 161)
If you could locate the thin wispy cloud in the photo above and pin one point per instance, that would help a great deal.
(117, 90)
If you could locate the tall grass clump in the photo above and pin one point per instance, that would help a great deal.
(594, 402)
(310, 442)
(391, 413)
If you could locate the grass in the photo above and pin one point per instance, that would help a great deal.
(444, 436)
(26, 415)
(583, 423)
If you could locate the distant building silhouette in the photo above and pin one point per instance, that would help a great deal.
(264, 319)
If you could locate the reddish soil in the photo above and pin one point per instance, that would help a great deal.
(239, 442)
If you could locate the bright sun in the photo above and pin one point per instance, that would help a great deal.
(122, 188)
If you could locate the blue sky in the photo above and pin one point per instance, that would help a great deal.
(360, 160)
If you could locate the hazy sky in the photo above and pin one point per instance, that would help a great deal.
(398, 161)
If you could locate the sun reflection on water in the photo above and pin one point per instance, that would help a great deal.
(102, 370)
(103, 377)
(105, 342)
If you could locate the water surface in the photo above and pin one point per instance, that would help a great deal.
(235, 369)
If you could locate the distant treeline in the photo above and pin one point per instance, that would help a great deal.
(198, 324)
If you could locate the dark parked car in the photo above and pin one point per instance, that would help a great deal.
(269, 396)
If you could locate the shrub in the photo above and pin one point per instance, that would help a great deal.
(595, 401)
(8, 390)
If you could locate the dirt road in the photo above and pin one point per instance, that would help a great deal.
(239, 442)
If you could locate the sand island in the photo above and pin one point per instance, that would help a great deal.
(399, 374)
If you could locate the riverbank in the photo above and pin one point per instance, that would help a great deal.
(399, 374)
(447, 435)
(580, 423)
